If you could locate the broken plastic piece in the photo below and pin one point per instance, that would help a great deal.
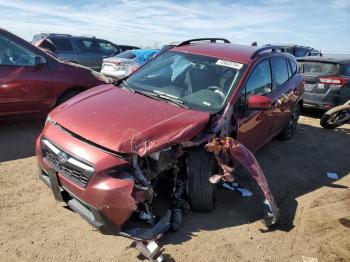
(272, 214)
(332, 175)
(150, 250)
(214, 179)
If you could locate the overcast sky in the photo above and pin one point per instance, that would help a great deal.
(322, 24)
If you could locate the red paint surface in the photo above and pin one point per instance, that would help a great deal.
(128, 123)
(232, 52)
(259, 102)
(109, 194)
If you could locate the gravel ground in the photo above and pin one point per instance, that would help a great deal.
(315, 210)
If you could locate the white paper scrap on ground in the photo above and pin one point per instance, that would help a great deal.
(244, 192)
(309, 259)
(332, 175)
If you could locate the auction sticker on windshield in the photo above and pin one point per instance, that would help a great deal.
(229, 64)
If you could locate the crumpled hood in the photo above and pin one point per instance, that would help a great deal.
(126, 122)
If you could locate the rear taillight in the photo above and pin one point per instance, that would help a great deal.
(334, 81)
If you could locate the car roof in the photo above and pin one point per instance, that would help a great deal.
(234, 52)
(335, 58)
(139, 52)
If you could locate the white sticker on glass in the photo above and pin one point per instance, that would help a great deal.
(231, 64)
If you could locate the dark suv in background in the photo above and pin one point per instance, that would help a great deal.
(300, 51)
(87, 51)
(327, 80)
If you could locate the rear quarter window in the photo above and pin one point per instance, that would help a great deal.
(294, 67)
(62, 44)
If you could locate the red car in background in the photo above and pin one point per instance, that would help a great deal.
(32, 82)
(180, 121)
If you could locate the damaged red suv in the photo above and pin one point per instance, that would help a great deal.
(171, 130)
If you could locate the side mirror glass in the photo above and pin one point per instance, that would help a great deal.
(259, 102)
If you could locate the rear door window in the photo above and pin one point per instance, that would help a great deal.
(107, 48)
(62, 44)
(259, 82)
(280, 70)
(320, 68)
(87, 45)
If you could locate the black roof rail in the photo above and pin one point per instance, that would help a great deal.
(273, 48)
(212, 40)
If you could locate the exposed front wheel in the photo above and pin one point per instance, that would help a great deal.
(289, 130)
(201, 193)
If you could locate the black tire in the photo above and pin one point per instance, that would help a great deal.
(201, 193)
(330, 119)
(289, 130)
(67, 96)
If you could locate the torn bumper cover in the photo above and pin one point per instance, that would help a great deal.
(228, 148)
(96, 217)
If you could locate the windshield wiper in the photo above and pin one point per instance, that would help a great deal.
(174, 101)
(126, 86)
(161, 96)
(171, 98)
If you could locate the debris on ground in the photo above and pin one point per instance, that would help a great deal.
(332, 175)
(235, 186)
(244, 192)
(309, 259)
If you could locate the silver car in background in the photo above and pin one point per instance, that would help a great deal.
(127, 62)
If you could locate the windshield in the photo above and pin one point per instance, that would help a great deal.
(320, 68)
(199, 82)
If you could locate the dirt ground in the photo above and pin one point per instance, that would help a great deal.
(315, 210)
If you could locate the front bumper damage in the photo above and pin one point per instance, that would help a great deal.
(104, 189)
(95, 217)
(225, 150)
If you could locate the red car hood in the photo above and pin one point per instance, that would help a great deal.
(126, 122)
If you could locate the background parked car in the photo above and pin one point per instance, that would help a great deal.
(125, 63)
(87, 51)
(327, 80)
(300, 51)
(33, 82)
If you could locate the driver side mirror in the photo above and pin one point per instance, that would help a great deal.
(39, 60)
(258, 102)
